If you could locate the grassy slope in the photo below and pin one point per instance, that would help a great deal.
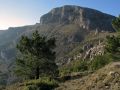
(39, 84)
(106, 78)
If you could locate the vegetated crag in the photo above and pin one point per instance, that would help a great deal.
(88, 51)
(106, 78)
(94, 51)
(70, 25)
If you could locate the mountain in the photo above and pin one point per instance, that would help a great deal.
(83, 17)
(72, 26)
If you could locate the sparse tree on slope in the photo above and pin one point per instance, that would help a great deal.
(113, 42)
(116, 24)
(36, 57)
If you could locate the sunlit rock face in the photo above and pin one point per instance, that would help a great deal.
(86, 18)
(97, 50)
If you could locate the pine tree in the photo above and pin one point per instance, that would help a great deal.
(116, 24)
(36, 58)
(113, 42)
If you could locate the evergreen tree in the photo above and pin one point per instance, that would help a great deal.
(116, 24)
(36, 57)
(113, 42)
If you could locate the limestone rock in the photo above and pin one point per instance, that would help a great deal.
(94, 51)
(85, 17)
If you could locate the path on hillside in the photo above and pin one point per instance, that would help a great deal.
(106, 78)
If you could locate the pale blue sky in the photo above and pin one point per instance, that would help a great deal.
(26, 12)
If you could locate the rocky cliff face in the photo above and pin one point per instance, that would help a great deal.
(94, 51)
(86, 18)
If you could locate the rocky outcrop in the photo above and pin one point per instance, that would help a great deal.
(89, 51)
(94, 51)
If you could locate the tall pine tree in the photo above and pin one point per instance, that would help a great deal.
(36, 57)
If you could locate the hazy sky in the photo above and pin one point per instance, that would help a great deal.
(26, 12)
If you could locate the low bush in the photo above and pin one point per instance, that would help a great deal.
(99, 62)
(43, 83)
(75, 66)
(80, 66)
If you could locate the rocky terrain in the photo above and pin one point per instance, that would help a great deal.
(72, 26)
(106, 78)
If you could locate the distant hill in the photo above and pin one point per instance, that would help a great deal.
(70, 25)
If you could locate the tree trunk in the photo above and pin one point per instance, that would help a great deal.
(37, 73)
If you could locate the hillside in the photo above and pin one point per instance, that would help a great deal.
(106, 78)
(72, 26)
(69, 24)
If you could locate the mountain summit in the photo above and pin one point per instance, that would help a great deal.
(84, 17)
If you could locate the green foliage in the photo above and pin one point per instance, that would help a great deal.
(36, 57)
(116, 24)
(75, 66)
(81, 50)
(86, 65)
(79, 66)
(99, 62)
(31, 87)
(113, 42)
(44, 83)
(64, 70)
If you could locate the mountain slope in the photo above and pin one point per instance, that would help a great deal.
(107, 78)
(71, 25)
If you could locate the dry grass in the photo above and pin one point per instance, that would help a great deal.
(107, 78)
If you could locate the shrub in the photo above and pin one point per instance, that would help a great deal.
(44, 83)
(80, 66)
(75, 66)
(30, 87)
(64, 70)
(99, 62)
(87, 65)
